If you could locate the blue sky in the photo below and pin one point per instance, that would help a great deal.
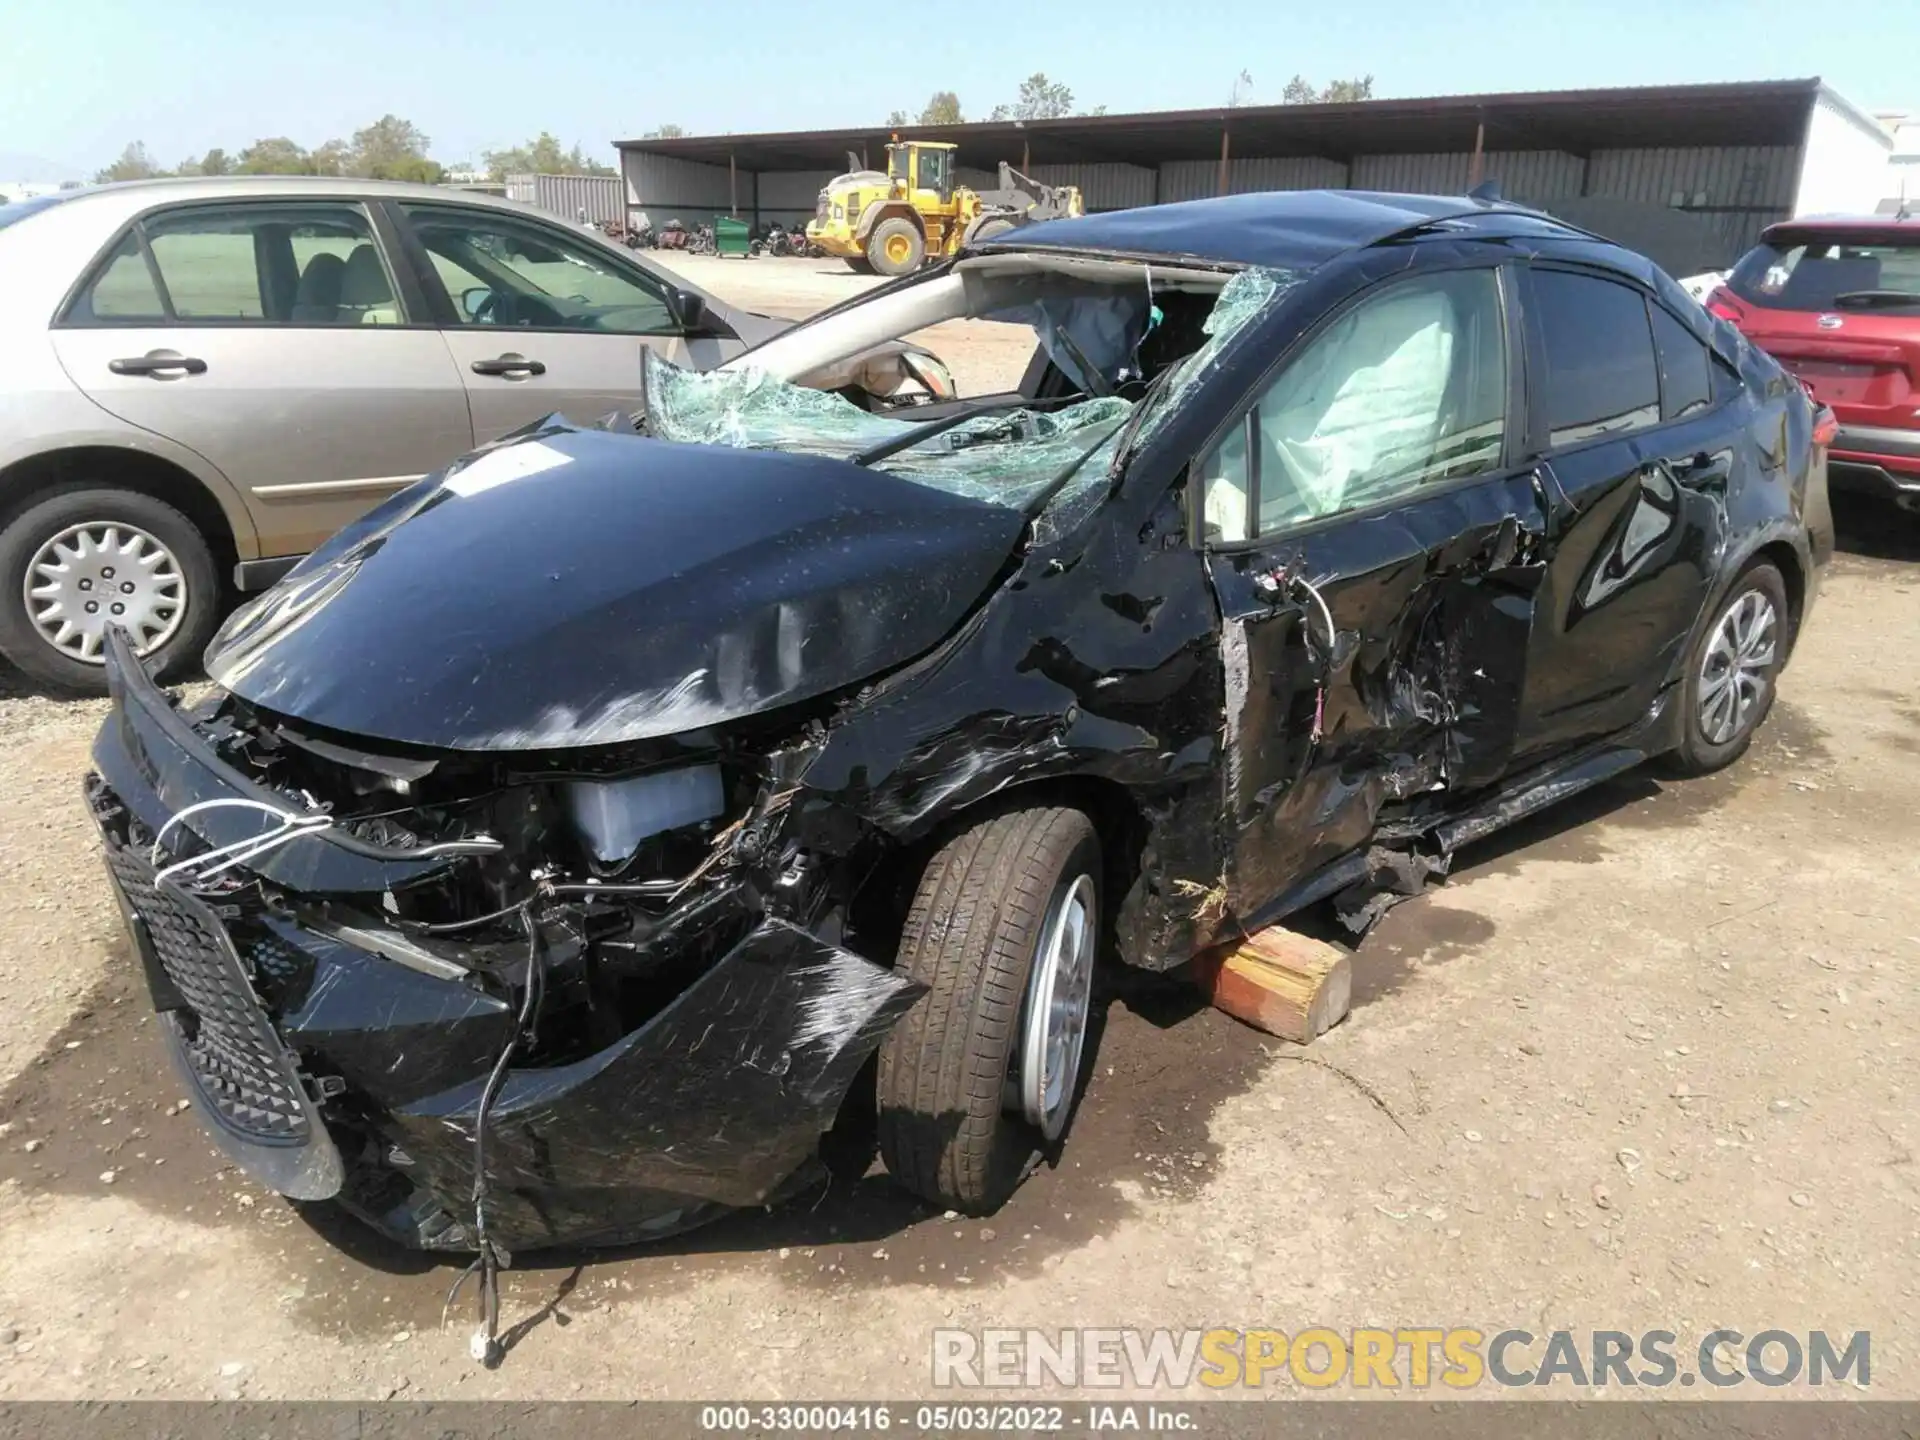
(83, 77)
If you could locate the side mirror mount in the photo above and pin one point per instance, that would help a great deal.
(689, 310)
(474, 300)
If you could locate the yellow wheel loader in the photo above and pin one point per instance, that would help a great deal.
(893, 221)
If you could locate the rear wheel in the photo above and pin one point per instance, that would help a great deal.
(985, 1068)
(80, 561)
(895, 247)
(1732, 670)
(858, 264)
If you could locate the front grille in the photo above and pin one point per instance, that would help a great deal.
(243, 1070)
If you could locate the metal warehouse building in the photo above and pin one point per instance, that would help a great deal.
(1689, 174)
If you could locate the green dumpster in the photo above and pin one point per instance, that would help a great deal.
(729, 236)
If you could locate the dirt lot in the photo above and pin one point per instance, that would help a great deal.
(1649, 1062)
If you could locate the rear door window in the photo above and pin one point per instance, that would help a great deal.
(1602, 378)
(1686, 367)
(1831, 272)
(303, 263)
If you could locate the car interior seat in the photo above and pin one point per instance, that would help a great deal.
(365, 296)
(316, 300)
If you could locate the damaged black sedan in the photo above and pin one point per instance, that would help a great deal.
(569, 840)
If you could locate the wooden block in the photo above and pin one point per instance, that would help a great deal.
(1279, 981)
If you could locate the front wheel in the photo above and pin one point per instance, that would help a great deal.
(985, 1068)
(895, 247)
(1732, 670)
(80, 561)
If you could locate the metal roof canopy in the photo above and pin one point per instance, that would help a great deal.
(1763, 112)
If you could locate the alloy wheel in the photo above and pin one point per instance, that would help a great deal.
(1058, 1002)
(1737, 668)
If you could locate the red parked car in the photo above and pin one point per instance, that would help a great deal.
(1837, 301)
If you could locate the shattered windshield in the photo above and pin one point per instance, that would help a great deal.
(1012, 452)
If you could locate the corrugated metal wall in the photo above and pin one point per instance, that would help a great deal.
(1747, 176)
(598, 197)
(1535, 174)
(792, 189)
(1198, 179)
(672, 185)
(1102, 187)
(786, 196)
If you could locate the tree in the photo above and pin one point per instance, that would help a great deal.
(541, 156)
(942, 108)
(393, 149)
(215, 162)
(664, 132)
(896, 118)
(1344, 91)
(1242, 87)
(1300, 91)
(276, 155)
(1040, 99)
(330, 158)
(134, 164)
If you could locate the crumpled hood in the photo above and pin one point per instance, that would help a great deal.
(577, 587)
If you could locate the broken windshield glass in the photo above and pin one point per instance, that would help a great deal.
(1007, 457)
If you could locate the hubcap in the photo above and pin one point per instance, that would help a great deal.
(897, 249)
(99, 574)
(1059, 998)
(1738, 667)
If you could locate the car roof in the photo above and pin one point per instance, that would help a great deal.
(1292, 229)
(134, 196)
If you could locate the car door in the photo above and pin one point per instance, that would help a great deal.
(1641, 490)
(540, 320)
(268, 335)
(1375, 554)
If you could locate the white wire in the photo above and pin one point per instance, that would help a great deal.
(238, 852)
(1333, 635)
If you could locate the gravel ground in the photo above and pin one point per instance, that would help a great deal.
(1646, 1062)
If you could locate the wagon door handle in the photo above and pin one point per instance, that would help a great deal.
(159, 365)
(513, 367)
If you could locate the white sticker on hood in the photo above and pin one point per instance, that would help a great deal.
(497, 467)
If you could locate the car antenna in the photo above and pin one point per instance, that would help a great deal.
(1487, 192)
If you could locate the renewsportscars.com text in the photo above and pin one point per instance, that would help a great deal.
(1320, 1358)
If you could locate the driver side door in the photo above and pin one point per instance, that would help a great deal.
(1375, 549)
(538, 320)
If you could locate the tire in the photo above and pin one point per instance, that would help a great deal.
(982, 909)
(990, 229)
(1754, 605)
(858, 264)
(186, 627)
(899, 237)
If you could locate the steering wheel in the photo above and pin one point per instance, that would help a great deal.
(491, 309)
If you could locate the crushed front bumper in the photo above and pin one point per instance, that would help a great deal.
(330, 1067)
